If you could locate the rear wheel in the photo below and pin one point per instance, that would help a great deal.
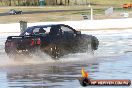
(92, 45)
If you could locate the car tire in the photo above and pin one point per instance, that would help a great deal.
(94, 43)
(89, 49)
(55, 52)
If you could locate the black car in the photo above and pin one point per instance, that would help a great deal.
(55, 40)
(13, 12)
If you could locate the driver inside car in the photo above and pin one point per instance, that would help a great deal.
(42, 31)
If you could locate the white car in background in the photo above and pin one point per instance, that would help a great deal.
(13, 12)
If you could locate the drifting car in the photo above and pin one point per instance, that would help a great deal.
(14, 12)
(55, 40)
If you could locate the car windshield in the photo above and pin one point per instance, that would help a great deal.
(67, 29)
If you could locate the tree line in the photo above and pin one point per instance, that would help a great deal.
(37, 2)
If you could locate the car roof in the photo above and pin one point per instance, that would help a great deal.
(39, 26)
(49, 25)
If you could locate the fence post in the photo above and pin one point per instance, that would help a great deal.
(23, 26)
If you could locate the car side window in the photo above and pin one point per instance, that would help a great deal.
(66, 30)
(36, 30)
(47, 29)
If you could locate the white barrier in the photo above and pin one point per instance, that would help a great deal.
(85, 24)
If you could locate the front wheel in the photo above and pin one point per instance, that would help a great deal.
(94, 43)
(56, 52)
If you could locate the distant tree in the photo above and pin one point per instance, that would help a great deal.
(1, 2)
(14, 2)
(37, 1)
(68, 2)
(28, 2)
(65, 2)
(61, 3)
(18, 1)
(86, 2)
(75, 2)
(56, 2)
(9, 2)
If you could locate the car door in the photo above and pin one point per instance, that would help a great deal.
(55, 33)
(69, 37)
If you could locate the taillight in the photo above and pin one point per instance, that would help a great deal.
(35, 42)
(38, 41)
(32, 42)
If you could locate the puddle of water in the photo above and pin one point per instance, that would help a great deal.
(111, 61)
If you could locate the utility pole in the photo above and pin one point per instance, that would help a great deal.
(91, 11)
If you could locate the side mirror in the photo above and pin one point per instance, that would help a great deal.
(78, 32)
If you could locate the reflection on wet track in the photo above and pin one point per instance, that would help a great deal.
(111, 61)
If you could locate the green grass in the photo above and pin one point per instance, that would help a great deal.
(96, 11)
(122, 9)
